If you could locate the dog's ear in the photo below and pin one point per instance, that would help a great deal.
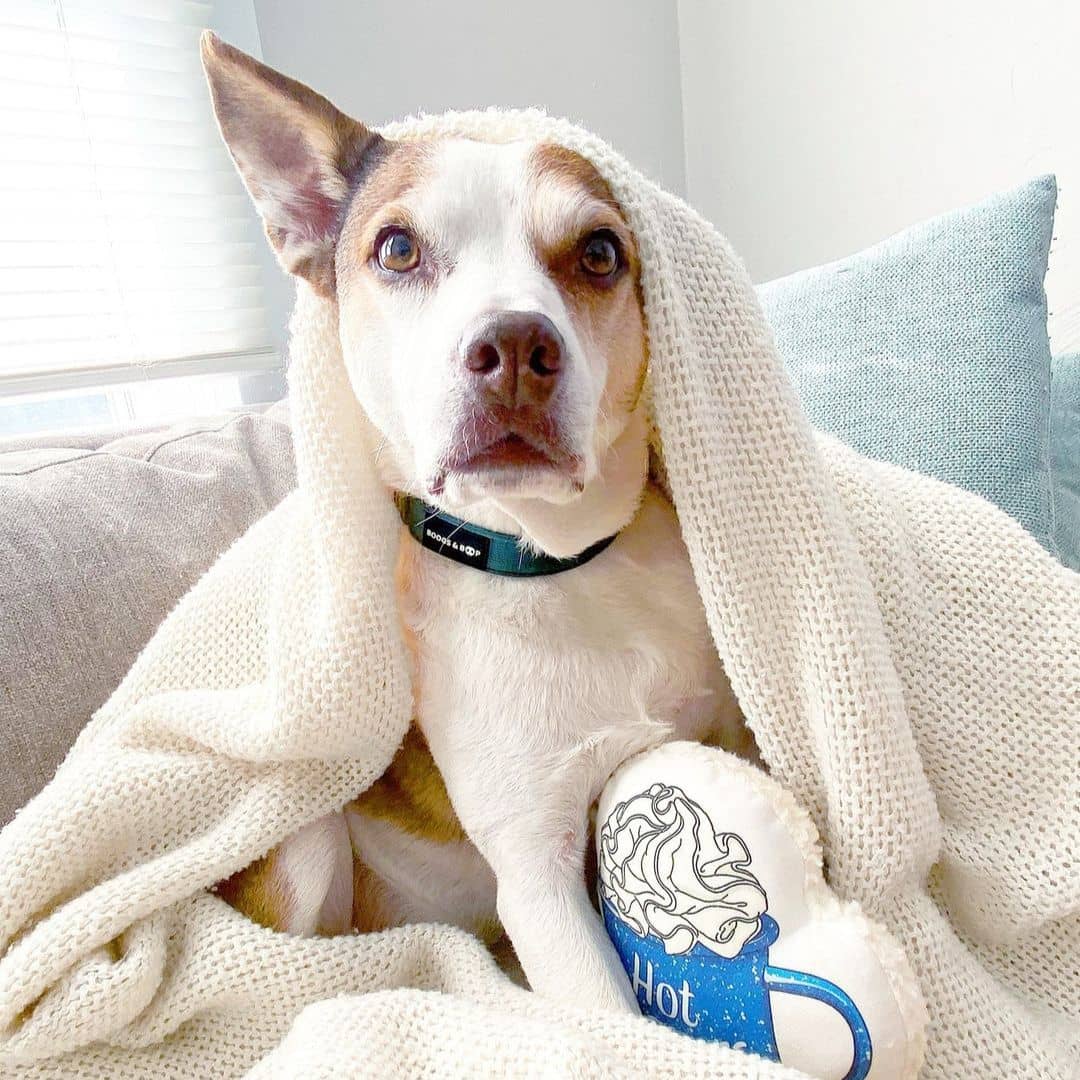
(296, 153)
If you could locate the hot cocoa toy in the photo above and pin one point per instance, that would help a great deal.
(712, 890)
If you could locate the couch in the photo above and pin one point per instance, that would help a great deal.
(100, 535)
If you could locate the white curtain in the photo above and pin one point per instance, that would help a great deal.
(125, 236)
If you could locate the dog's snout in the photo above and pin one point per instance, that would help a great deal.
(516, 356)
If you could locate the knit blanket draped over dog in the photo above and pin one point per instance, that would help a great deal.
(906, 655)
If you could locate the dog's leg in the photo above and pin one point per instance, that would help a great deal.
(544, 906)
(304, 886)
(522, 787)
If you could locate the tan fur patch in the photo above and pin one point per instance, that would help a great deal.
(551, 161)
(370, 910)
(259, 892)
(412, 794)
(396, 169)
(611, 317)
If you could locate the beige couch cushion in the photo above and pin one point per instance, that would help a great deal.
(97, 543)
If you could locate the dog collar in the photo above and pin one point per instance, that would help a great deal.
(480, 548)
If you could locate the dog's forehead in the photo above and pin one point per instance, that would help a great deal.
(470, 189)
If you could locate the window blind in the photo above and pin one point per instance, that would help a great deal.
(126, 238)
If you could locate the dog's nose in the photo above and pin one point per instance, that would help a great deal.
(515, 356)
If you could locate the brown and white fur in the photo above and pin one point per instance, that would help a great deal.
(505, 376)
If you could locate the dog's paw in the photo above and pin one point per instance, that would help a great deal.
(712, 891)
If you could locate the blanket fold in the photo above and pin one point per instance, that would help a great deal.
(908, 659)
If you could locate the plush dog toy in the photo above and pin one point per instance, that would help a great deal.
(712, 890)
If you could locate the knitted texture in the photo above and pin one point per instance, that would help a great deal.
(908, 657)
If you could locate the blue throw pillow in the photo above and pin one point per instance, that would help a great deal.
(1065, 455)
(930, 349)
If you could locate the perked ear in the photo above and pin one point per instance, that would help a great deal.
(297, 155)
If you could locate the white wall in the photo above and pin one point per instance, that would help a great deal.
(817, 127)
(612, 64)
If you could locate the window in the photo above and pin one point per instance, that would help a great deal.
(128, 247)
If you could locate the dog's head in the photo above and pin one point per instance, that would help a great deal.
(488, 294)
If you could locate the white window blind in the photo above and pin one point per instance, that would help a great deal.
(126, 238)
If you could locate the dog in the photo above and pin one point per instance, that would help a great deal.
(492, 323)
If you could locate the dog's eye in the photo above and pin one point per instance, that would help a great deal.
(601, 256)
(398, 251)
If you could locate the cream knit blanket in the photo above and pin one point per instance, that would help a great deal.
(907, 656)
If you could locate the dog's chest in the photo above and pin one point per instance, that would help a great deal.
(518, 677)
(528, 693)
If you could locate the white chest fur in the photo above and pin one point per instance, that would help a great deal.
(529, 685)
(530, 693)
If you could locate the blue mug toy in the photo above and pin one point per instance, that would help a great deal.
(727, 1000)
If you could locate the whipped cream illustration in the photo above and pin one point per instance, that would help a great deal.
(666, 871)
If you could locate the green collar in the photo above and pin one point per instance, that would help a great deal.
(480, 548)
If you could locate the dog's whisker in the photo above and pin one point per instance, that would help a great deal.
(460, 525)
